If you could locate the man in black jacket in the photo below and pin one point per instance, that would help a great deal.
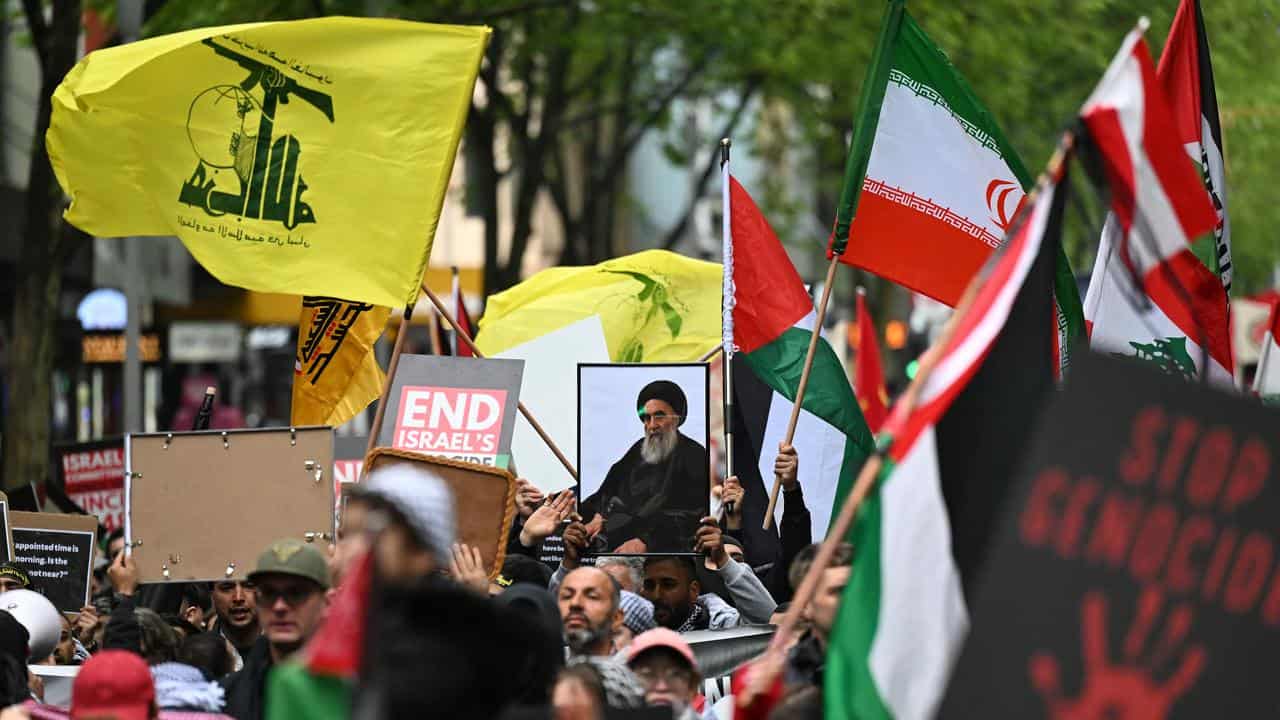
(290, 580)
(653, 497)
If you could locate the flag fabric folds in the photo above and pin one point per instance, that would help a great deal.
(923, 531)
(335, 373)
(1266, 380)
(868, 374)
(308, 157)
(1186, 72)
(941, 181)
(460, 315)
(655, 306)
(1149, 296)
(773, 321)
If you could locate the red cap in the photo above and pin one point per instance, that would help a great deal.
(113, 683)
(660, 638)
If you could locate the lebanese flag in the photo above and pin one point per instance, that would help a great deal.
(1150, 297)
(868, 375)
(1186, 72)
(922, 533)
(1266, 381)
(771, 322)
(460, 348)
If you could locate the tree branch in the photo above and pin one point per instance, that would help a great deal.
(745, 98)
(39, 30)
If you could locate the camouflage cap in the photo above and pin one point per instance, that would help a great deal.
(291, 556)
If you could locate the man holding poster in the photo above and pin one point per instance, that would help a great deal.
(652, 498)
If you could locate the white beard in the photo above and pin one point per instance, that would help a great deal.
(657, 448)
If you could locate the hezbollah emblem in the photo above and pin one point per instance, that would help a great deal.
(264, 182)
(285, 549)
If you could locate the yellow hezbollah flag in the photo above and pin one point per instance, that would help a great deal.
(335, 374)
(656, 306)
(307, 157)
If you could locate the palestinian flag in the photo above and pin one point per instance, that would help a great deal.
(1266, 381)
(772, 320)
(921, 535)
(1186, 72)
(1150, 297)
(938, 180)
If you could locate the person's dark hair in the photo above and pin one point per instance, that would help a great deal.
(207, 652)
(112, 536)
(180, 625)
(590, 678)
(682, 561)
(518, 569)
(159, 641)
(14, 641)
(842, 557)
(802, 703)
(198, 594)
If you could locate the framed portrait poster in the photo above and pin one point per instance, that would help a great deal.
(643, 462)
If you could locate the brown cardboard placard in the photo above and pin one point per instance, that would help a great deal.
(57, 552)
(484, 499)
(204, 505)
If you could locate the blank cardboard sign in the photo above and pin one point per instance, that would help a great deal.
(484, 499)
(204, 505)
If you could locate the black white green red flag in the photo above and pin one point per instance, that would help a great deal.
(923, 531)
(932, 183)
(773, 321)
(1150, 297)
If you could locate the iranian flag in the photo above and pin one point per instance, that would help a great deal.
(771, 323)
(922, 533)
(931, 182)
(1150, 297)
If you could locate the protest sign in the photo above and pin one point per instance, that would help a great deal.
(92, 475)
(6, 532)
(57, 553)
(1135, 574)
(348, 457)
(642, 454)
(184, 489)
(458, 408)
(550, 368)
(484, 499)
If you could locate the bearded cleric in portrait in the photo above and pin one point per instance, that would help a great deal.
(657, 492)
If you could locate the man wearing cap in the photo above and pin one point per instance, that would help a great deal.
(666, 667)
(13, 577)
(114, 684)
(290, 580)
(651, 499)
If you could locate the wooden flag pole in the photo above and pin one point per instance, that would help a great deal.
(804, 383)
(386, 383)
(436, 347)
(464, 338)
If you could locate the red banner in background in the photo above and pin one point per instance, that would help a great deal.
(93, 477)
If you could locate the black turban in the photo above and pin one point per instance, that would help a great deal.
(668, 392)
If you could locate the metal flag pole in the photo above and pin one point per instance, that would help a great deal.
(726, 315)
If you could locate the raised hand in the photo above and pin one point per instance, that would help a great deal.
(710, 541)
(544, 521)
(467, 568)
(528, 497)
(732, 492)
(787, 466)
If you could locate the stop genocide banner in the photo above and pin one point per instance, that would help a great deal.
(459, 408)
(92, 475)
(1137, 573)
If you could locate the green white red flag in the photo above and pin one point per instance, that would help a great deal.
(932, 183)
(1150, 297)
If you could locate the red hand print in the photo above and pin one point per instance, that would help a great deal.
(1128, 690)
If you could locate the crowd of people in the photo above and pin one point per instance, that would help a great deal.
(398, 619)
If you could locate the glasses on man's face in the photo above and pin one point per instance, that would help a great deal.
(671, 675)
(293, 596)
(656, 417)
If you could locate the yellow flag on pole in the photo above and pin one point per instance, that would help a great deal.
(308, 157)
(335, 373)
(655, 306)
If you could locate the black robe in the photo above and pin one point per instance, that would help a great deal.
(660, 504)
